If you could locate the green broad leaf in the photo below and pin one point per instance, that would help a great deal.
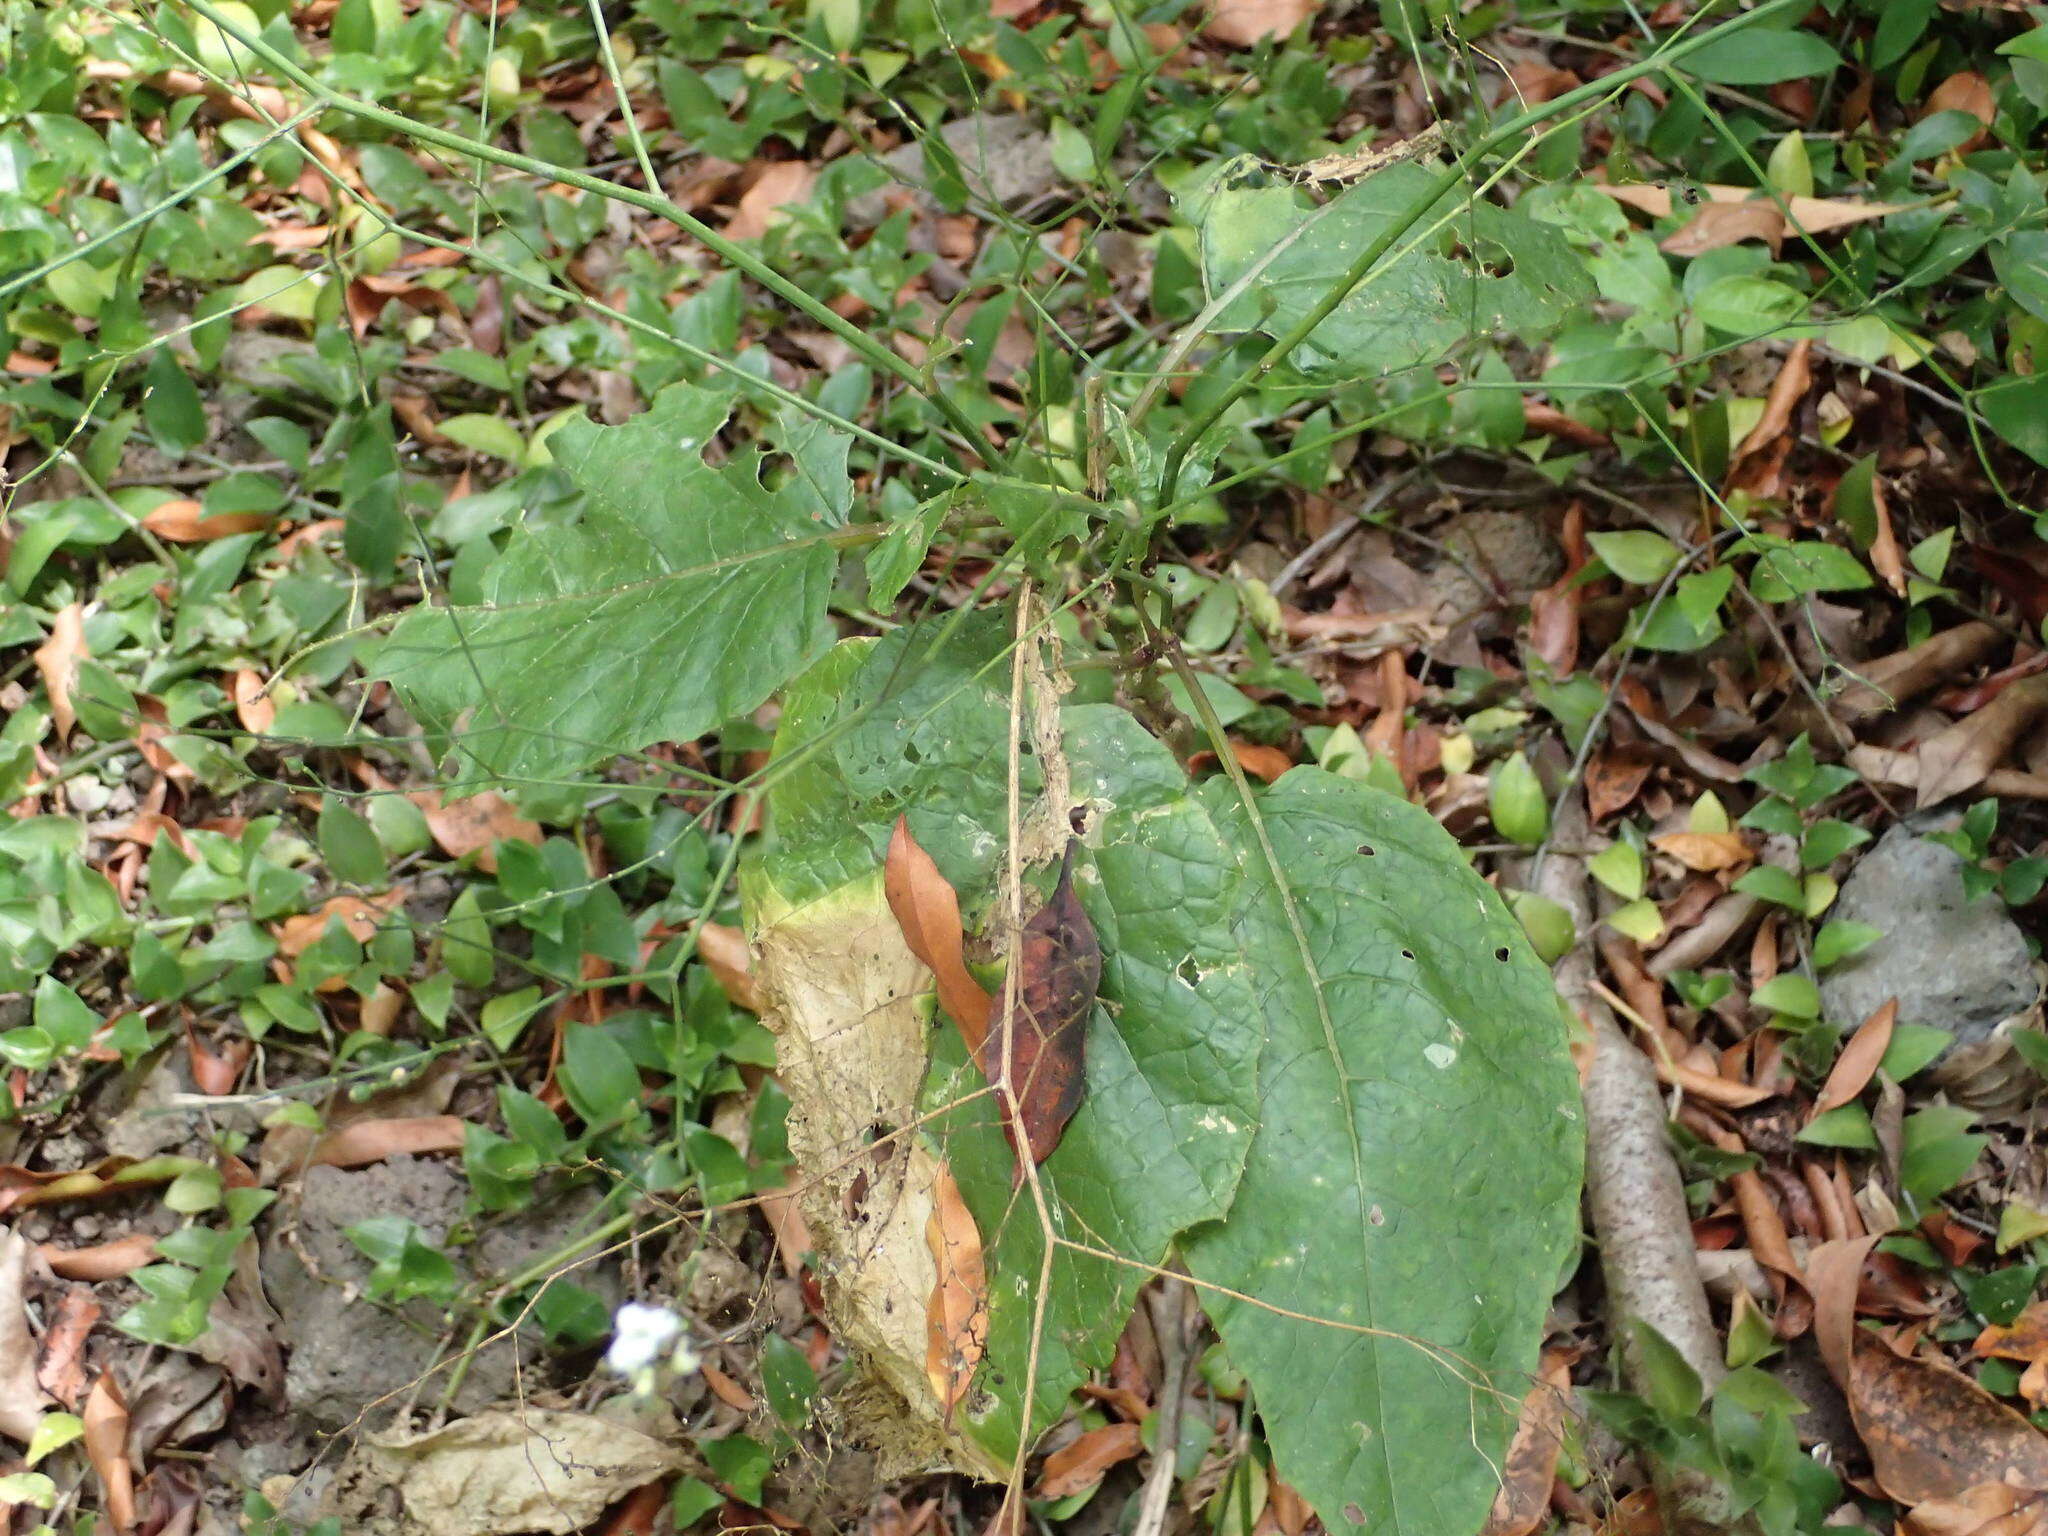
(1785, 570)
(1639, 920)
(1913, 1047)
(1788, 992)
(1671, 1386)
(1847, 1125)
(598, 1077)
(1547, 924)
(2017, 409)
(1936, 1151)
(1424, 297)
(1770, 883)
(684, 596)
(1637, 556)
(1520, 809)
(1761, 55)
(1749, 306)
(1308, 1005)
(62, 1015)
(787, 1380)
(1839, 940)
(490, 435)
(1619, 867)
(348, 844)
(171, 404)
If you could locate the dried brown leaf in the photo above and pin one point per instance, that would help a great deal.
(1787, 390)
(57, 659)
(1856, 1065)
(21, 1399)
(1035, 1055)
(1989, 1509)
(723, 949)
(254, 708)
(1964, 91)
(1246, 23)
(1523, 1502)
(62, 1371)
(780, 183)
(1714, 225)
(360, 915)
(106, 1446)
(1706, 852)
(926, 907)
(1961, 757)
(186, 522)
(1079, 1466)
(371, 1141)
(956, 1316)
(474, 825)
(102, 1261)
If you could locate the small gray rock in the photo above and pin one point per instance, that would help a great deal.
(1958, 965)
(1003, 157)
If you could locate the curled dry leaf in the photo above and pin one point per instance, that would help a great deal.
(360, 915)
(102, 1261)
(1989, 1509)
(1524, 1500)
(925, 906)
(956, 1316)
(62, 1372)
(186, 522)
(1964, 91)
(723, 948)
(371, 1141)
(1079, 1466)
(779, 184)
(57, 659)
(1247, 23)
(255, 709)
(474, 824)
(1961, 757)
(1706, 852)
(1810, 215)
(1932, 1433)
(106, 1446)
(1036, 1055)
(21, 1399)
(1263, 762)
(1854, 1068)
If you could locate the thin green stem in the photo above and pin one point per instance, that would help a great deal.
(651, 201)
(1439, 187)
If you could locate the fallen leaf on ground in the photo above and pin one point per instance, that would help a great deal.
(1961, 757)
(1812, 215)
(360, 915)
(1714, 225)
(186, 522)
(1854, 1068)
(928, 911)
(723, 949)
(1787, 390)
(780, 183)
(531, 1470)
(57, 659)
(1964, 91)
(1989, 1509)
(1263, 762)
(956, 1317)
(21, 1399)
(255, 710)
(62, 1371)
(371, 1141)
(726, 1390)
(1246, 23)
(1706, 852)
(242, 1327)
(21, 1187)
(1035, 1056)
(1524, 1499)
(106, 1446)
(1079, 1466)
(1932, 1433)
(474, 825)
(101, 1261)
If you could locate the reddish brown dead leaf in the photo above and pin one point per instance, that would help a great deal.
(724, 950)
(1787, 390)
(1932, 1433)
(1545, 420)
(474, 825)
(927, 909)
(1885, 557)
(1263, 762)
(1964, 91)
(216, 1072)
(726, 1390)
(1614, 778)
(186, 522)
(1810, 215)
(1035, 1055)
(1962, 756)
(360, 915)
(637, 1512)
(1989, 1509)
(785, 1219)
(103, 1261)
(371, 1141)
(780, 183)
(57, 659)
(62, 1371)
(1714, 225)
(254, 708)
(956, 1316)
(1523, 1502)
(1856, 1065)
(1706, 852)
(1079, 1466)
(1246, 23)
(106, 1446)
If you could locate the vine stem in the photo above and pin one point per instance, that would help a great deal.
(1440, 186)
(650, 201)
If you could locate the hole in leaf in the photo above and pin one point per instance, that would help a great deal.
(1367, 849)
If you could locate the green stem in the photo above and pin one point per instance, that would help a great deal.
(1439, 187)
(651, 201)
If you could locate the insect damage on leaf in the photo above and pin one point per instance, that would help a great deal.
(1035, 1056)
(956, 1315)
(928, 910)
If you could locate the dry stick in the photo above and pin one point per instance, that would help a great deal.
(1640, 1218)
(1169, 1309)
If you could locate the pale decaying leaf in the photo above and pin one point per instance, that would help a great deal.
(106, 1445)
(839, 987)
(529, 1470)
(956, 1316)
(723, 949)
(474, 824)
(1246, 23)
(1961, 757)
(57, 659)
(186, 522)
(1810, 215)
(1524, 1501)
(21, 1399)
(762, 205)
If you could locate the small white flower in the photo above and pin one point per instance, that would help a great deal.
(639, 1336)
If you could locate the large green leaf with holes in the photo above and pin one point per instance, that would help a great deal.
(683, 596)
(1465, 268)
(1325, 1066)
